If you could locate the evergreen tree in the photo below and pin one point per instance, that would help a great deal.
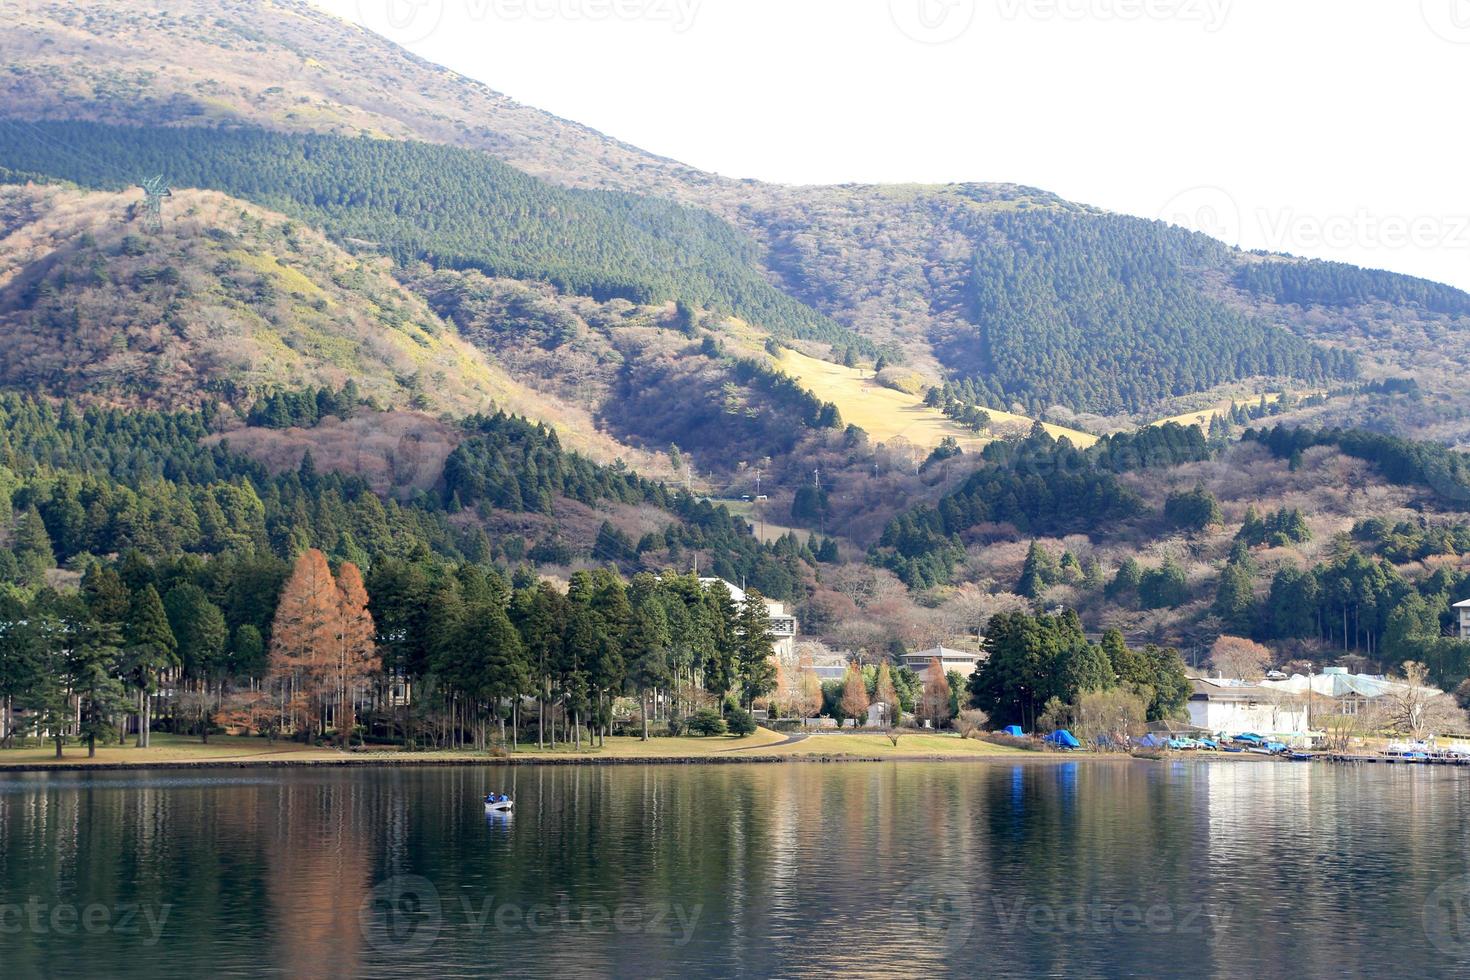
(149, 650)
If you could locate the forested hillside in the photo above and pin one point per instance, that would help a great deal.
(225, 301)
(452, 208)
(1098, 312)
(910, 268)
(79, 483)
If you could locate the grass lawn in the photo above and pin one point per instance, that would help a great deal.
(171, 749)
(875, 745)
(166, 748)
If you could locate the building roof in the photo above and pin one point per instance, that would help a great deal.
(1340, 684)
(943, 653)
(1462, 604)
(1228, 689)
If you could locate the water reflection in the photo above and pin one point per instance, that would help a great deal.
(1079, 868)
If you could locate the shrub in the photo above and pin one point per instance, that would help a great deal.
(706, 721)
(676, 727)
(969, 721)
(740, 722)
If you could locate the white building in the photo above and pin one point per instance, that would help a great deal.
(1285, 706)
(1229, 706)
(1335, 691)
(960, 661)
(1464, 610)
(783, 624)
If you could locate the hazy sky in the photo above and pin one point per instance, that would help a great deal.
(1330, 128)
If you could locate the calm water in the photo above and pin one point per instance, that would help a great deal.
(1199, 869)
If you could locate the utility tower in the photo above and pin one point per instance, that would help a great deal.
(155, 189)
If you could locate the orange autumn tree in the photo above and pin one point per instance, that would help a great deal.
(855, 694)
(305, 636)
(355, 648)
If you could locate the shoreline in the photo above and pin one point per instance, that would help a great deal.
(82, 765)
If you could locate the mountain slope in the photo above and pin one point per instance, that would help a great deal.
(224, 302)
(908, 267)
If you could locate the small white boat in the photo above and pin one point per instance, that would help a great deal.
(499, 806)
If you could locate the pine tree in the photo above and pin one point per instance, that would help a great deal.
(150, 649)
(754, 642)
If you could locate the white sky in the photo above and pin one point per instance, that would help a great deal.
(1329, 128)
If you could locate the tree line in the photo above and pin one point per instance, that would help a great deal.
(1040, 486)
(76, 484)
(430, 652)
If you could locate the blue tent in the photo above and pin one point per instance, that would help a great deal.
(1063, 739)
(1152, 741)
(1014, 731)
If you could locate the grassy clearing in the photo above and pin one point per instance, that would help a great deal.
(886, 414)
(174, 750)
(877, 746)
(166, 749)
(1202, 417)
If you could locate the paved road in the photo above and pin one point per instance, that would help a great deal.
(788, 740)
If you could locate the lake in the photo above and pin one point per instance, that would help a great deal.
(1223, 869)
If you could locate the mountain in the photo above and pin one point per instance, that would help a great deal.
(970, 283)
(228, 301)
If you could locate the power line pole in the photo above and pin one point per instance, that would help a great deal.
(155, 189)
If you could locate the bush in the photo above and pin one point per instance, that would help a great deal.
(676, 727)
(969, 721)
(705, 721)
(740, 722)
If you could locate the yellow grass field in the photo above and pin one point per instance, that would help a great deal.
(1202, 417)
(885, 414)
(172, 750)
